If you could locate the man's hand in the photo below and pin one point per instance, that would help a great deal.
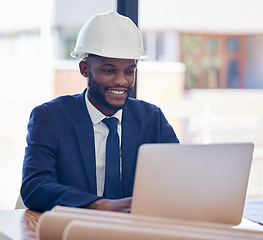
(118, 205)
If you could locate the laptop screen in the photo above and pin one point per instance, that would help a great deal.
(205, 182)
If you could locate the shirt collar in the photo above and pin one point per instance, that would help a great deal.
(97, 116)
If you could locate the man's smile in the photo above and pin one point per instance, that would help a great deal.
(118, 92)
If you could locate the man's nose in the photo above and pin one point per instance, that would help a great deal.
(121, 78)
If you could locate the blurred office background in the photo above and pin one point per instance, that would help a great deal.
(205, 70)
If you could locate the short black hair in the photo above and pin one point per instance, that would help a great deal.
(93, 55)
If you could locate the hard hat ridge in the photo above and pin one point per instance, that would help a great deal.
(109, 35)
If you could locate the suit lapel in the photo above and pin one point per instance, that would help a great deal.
(85, 135)
(128, 150)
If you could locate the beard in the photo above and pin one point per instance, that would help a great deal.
(97, 92)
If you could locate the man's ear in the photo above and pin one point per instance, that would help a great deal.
(84, 68)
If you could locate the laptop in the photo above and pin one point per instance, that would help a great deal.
(206, 182)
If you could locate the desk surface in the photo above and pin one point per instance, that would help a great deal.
(21, 224)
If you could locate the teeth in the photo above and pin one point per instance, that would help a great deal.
(117, 92)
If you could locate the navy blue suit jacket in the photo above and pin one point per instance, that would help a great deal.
(59, 163)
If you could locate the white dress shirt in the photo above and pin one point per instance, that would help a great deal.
(101, 132)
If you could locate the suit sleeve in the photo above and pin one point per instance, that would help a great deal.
(167, 133)
(40, 189)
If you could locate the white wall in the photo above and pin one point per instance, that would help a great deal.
(23, 14)
(30, 14)
(240, 16)
(74, 15)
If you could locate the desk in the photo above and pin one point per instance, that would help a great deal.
(21, 224)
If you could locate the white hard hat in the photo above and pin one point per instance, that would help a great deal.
(109, 35)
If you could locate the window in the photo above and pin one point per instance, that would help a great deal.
(232, 73)
(191, 43)
(232, 44)
(213, 61)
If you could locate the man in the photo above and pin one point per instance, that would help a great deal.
(66, 160)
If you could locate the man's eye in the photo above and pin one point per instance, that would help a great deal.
(108, 70)
(131, 72)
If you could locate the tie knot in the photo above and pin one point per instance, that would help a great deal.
(111, 123)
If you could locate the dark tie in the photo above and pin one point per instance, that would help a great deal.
(112, 186)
